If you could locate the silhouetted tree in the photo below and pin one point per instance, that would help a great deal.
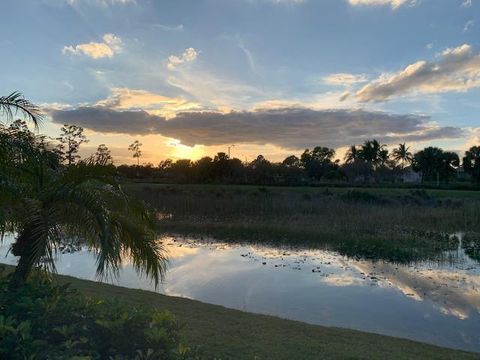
(103, 155)
(182, 170)
(318, 161)
(71, 137)
(435, 164)
(135, 148)
(471, 163)
(373, 153)
(292, 161)
(203, 169)
(352, 154)
(403, 155)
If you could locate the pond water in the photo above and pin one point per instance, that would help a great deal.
(432, 301)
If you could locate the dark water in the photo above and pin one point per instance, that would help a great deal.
(436, 302)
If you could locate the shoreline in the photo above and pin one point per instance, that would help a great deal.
(217, 331)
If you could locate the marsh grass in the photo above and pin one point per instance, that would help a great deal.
(406, 226)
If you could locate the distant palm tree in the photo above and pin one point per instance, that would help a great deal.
(402, 154)
(15, 102)
(352, 154)
(47, 204)
(373, 153)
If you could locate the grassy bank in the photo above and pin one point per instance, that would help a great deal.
(217, 332)
(395, 224)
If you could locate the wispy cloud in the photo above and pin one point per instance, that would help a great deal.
(468, 25)
(170, 28)
(285, 2)
(345, 79)
(394, 4)
(101, 2)
(248, 54)
(110, 46)
(456, 69)
(189, 55)
(466, 3)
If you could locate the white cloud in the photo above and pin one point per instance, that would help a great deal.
(170, 28)
(394, 4)
(468, 25)
(285, 2)
(130, 99)
(467, 3)
(101, 2)
(248, 54)
(188, 55)
(344, 79)
(110, 46)
(456, 69)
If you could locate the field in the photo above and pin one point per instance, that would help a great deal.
(379, 223)
(216, 332)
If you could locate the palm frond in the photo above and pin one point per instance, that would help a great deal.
(15, 102)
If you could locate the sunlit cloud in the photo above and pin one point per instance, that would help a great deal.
(433, 284)
(110, 46)
(129, 99)
(345, 79)
(394, 4)
(189, 55)
(457, 69)
(291, 128)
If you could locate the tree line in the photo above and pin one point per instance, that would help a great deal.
(370, 162)
(367, 163)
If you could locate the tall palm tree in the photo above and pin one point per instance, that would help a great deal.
(402, 154)
(372, 152)
(13, 103)
(352, 154)
(46, 204)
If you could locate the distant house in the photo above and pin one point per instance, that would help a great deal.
(410, 176)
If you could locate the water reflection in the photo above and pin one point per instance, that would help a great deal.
(432, 301)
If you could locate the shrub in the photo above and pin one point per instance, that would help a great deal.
(46, 321)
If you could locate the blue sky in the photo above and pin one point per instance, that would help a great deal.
(188, 78)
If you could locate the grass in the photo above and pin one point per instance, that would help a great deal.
(221, 333)
(372, 189)
(398, 225)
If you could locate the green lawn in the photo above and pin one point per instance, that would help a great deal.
(380, 190)
(221, 333)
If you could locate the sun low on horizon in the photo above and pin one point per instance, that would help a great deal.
(190, 79)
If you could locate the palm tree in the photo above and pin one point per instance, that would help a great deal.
(403, 154)
(47, 204)
(13, 103)
(372, 152)
(352, 154)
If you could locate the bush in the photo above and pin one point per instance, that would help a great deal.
(46, 321)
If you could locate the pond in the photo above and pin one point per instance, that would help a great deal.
(431, 301)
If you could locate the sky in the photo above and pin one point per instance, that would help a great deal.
(189, 78)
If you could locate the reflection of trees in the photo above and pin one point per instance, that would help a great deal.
(404, 249)
(471, 245)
